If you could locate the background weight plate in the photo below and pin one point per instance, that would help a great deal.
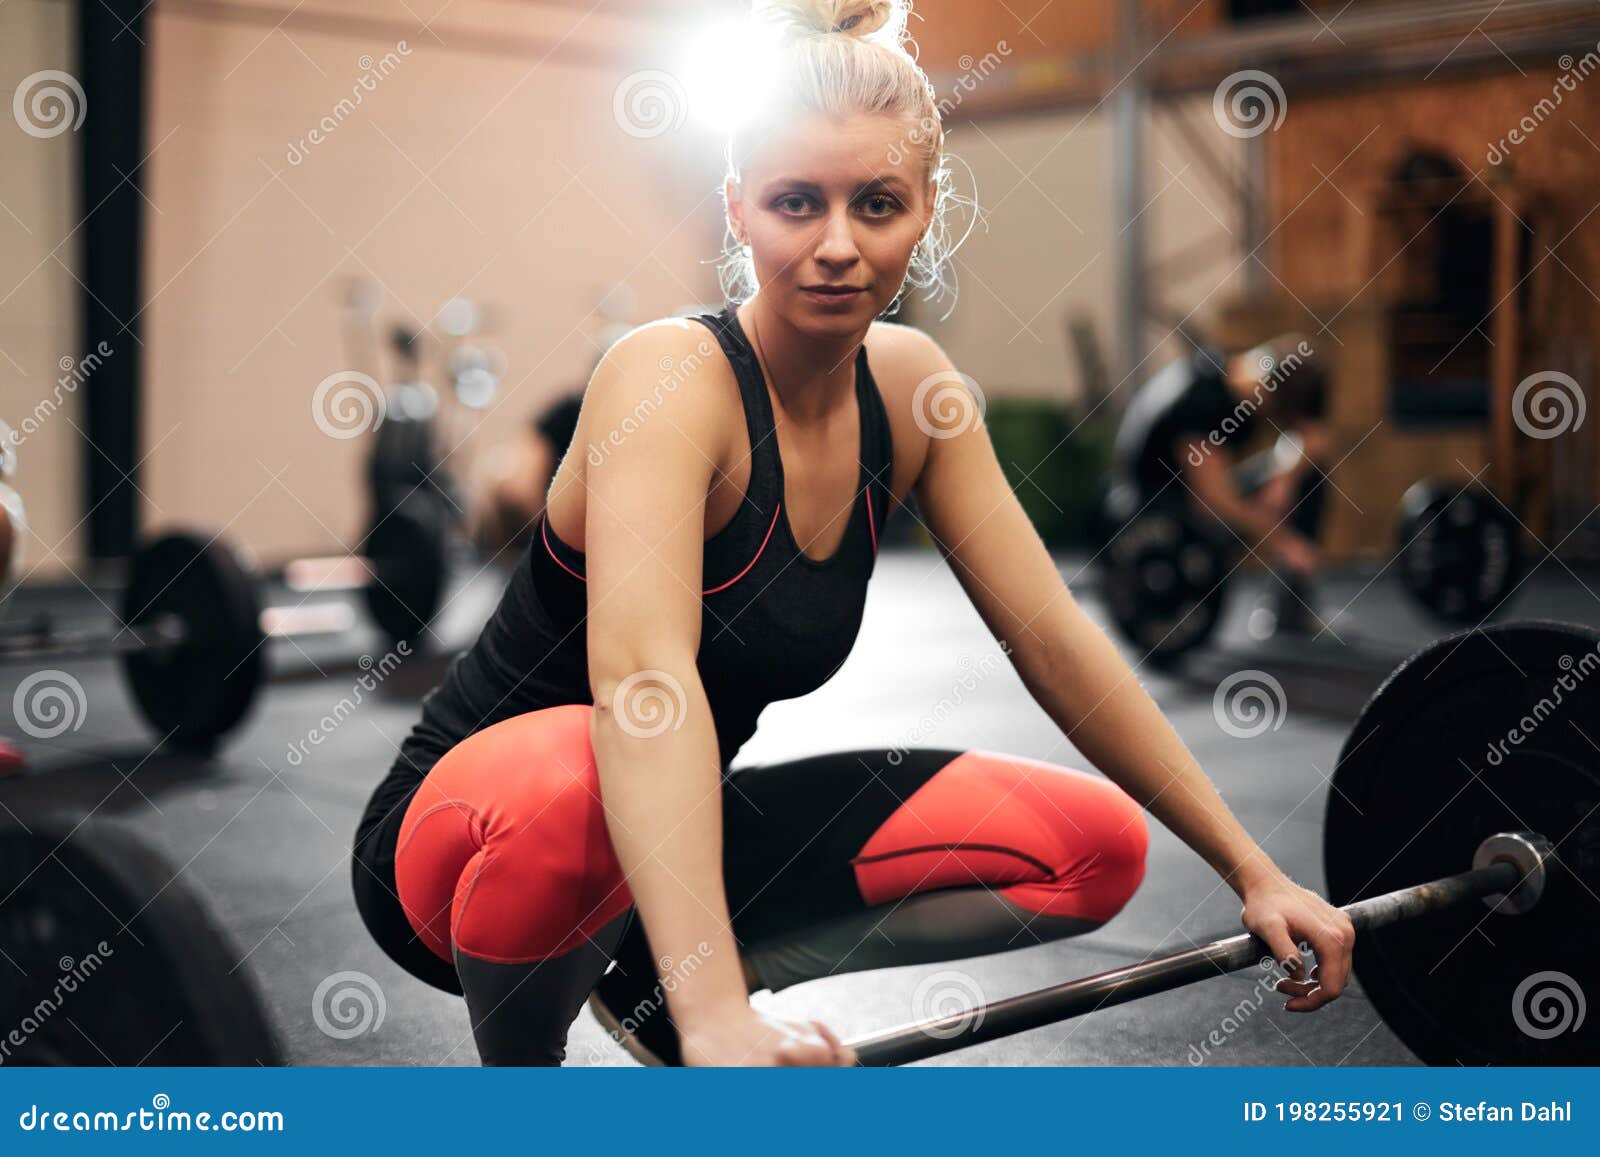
(110, 959)
(195, 692)
(408, 551)
(1165, 583)
(1460, 556)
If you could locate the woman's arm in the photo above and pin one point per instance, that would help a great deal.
(1077, 675)
(654, 740)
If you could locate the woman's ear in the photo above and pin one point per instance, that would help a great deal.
(733, 197)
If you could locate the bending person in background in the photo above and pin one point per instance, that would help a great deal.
(1182, 439)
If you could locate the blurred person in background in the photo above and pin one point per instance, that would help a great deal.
(1181, 441)
(512, 478)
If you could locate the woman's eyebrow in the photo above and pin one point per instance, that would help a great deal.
(890, 182)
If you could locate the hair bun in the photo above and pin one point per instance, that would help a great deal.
(856, 18)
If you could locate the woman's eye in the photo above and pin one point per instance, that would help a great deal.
(793, 202)
(884, 205)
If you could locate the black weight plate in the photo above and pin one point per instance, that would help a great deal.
(1165, 583)
(111, 960)
(407, 551)
(1460, 555)
(199, 690)
(1482, 732)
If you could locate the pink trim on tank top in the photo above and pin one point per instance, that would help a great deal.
(752, 562)
(544, 533)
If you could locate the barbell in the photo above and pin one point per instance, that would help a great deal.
(1473, 757)
(401, 571)
(191, 630)
(1466, 751)
(1510, 870)
(1166, 577)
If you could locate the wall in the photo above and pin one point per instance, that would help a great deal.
(38, 293)
(1334, 151)
(485, 161)
(1044, 183)
(1330, 161)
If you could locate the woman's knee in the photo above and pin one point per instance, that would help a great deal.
(504, 851)
(1122, 843)
(1051, 839)
(1104, 840)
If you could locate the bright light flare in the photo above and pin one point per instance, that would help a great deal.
(728, 71)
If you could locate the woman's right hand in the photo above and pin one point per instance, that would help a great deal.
(747, 1037)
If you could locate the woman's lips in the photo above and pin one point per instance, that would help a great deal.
(832, 296)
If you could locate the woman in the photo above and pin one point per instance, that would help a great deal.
(706, 554)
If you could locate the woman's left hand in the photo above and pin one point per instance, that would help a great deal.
(1284, 914)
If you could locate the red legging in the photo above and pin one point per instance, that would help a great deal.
(504, 857)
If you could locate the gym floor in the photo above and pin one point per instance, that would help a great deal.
(264, 832)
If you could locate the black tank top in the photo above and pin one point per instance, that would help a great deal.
(775, 623)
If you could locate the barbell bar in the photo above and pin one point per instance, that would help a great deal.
(1509, 870)
(1482, 736)
(401, 569)
(190, 636)
(42, 640)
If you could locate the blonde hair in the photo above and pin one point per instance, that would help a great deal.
(839, 58)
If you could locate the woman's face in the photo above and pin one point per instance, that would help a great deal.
(832, 210)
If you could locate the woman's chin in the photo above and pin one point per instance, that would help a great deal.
(810, 315)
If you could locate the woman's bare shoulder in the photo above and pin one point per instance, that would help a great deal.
(902, 357)
(672, 364)
(675, 337)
